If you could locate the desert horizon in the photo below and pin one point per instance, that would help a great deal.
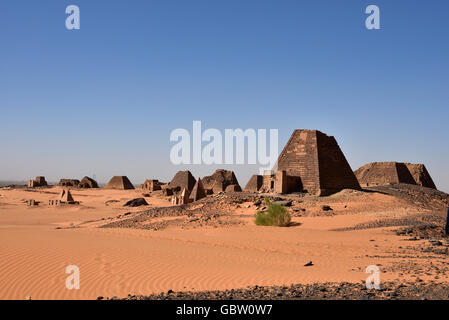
(193, 238)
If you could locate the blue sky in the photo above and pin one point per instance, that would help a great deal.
(103, 99)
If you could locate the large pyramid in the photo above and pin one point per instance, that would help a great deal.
(384, 173)
(119, 183)
(317, 163)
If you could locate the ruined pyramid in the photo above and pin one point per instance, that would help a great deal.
(88, 183)
(385, 173)
(220, 180)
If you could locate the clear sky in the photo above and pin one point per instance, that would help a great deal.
(103, 99)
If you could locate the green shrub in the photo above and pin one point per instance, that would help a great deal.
(275, 215)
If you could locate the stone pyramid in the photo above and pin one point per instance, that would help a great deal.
(183, 179)
(220, 180)
(385, 173)
(68, 183)
(65, 196)
(317, 163)
(88, 183)
(421, 175)
(119, 183)
(254, 183)
(198, 191)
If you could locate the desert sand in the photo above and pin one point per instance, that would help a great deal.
(122, 250)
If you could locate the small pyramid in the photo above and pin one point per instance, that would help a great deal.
(198, 191)
(88, 183)
(41, 181)
(68, 183)
(254, 184)
(119, 183)
(65, 196)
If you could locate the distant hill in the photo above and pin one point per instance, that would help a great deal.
(4, 183)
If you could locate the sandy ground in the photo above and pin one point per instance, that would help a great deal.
(38, 243)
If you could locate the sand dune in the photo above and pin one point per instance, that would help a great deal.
(118, 262)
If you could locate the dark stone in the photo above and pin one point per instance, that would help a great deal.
(285, 203)
(435, 242)
(136, 203)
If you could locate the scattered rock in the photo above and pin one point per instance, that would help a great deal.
(285, 203)
(325, 291)
(136, 203)
(111, 201)
(435, 242)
